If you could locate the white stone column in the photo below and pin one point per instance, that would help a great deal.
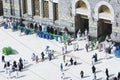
(51, 10)
(16, 4)
(41, 8)
(29, 7)
(21, 7)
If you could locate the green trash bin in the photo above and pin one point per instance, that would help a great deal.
(53, 36)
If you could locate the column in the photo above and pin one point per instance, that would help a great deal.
(114, 34)
(41, 8)
(17, 8)
(21, 1)
(30, 7)
(51, 10)
(93, 27)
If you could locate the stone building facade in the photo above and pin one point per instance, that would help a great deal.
(1, 8)
(99, 17)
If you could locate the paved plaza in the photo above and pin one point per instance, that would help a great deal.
(25, 45)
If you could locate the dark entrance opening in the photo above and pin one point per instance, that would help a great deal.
(104, 28)
(82, 24)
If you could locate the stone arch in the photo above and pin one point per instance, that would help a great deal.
(86, 5)
(82, 12)
(103, 4)
(81, 4)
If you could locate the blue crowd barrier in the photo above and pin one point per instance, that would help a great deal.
(56, 37)
(5, 26)
(43, 35)
(38, 32)
(117, 53)
(47, 36)
(50, 36)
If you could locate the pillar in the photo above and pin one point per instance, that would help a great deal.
(41, 8)
(51, 10)
(30, 7)
(93, 27)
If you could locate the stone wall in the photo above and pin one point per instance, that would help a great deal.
(7, 8)
(67, 13)
(66, 18)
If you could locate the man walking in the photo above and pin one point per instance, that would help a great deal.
(42, 55)
(95, 57)
(118, 76)
(94, 71)
(86, 46)
(107, 73)
(82, 74)
(64, 58)
(61, 67)
(3, 58)
(71, 61)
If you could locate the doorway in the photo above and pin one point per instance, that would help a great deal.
(82, 24)
(104, 28)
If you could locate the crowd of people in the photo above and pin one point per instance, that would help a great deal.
(108, 47)
(10, 67)
(46, 54)
(14, 23)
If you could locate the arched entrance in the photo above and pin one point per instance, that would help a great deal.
(81, 17)
(104, 22)
(81, 23)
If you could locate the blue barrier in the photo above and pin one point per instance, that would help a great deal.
(117, 53)
(38, 32)
(5, 26)
(50, 36)
(43, 35)
(56, 37)
(47, 36)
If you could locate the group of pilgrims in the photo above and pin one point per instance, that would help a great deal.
(14, 23)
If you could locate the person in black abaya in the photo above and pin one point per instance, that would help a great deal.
(31, 25)
(40, 28)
